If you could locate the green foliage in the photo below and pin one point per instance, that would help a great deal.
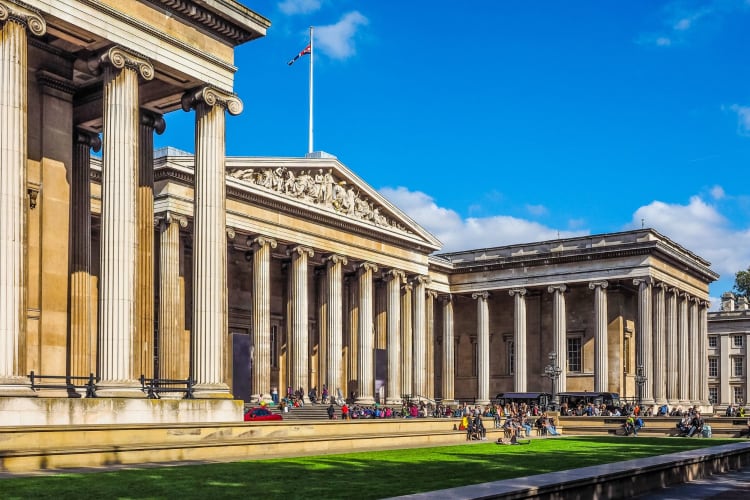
(355, 475)
(742, 283)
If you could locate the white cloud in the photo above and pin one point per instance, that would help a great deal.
(699, 227)
(537, 210)
(457, 233)
(663, 41)
(337, 40)
(743, 118)
(291, 7)
(717, 192)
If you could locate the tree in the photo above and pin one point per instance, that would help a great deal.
(742, 283)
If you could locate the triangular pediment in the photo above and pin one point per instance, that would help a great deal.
(325, 184)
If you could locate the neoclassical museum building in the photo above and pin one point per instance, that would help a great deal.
(247, 273)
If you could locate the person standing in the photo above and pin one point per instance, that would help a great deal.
(345, 412)
(275, 395)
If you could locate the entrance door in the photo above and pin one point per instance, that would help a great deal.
(241, 366)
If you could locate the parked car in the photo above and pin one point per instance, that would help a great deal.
(260, 413)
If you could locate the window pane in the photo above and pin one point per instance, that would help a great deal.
(712, 341)
(738, 362)
(713, 366)
(574, 354)
(738, 341)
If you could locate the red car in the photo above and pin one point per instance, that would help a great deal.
(259, 413)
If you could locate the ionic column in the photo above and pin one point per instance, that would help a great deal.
(261, 382)
(601, 366)
(430, 340)
(143, 351)
(209, 239)
(334, 321)
(683, 387)
(171, 357)
(483, 347)
(82, 330)
(703, 334)
(694, 347)
(14, 20)
(117, 326)
(420, 353)
(394, 278)
(560, 334)
(672, 364)
(448, 374)
(660, 344)
(645, 338)
(298, 344)
(366, 335)
(519, 338)
(406, 339)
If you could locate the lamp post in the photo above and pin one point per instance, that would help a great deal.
(552, 371)
(640, 380)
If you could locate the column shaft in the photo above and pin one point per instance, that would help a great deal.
(171, 358)
(261, 381)
(560, 334)
(601, 366)
(519, 338)
(683, 378)
(448, 374)
(430, 343)
(298, 365)
(645, 338)
(660, 344)
(695, 354)
(334, 321)
(703, 363)
(365, 365)
(419, 357)
(672, 364)
(483, 345)
(393, 389)
(406, 339)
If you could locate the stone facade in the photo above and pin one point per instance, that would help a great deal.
(728, 363)
(249, 273)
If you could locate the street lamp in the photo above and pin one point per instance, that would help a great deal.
(640, 381)
(552, 371)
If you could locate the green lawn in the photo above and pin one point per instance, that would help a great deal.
(354, 475)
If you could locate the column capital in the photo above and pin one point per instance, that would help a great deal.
(598, 284)
(261, 241)
(432, 293)
(231, 233)
(661, 285)
(213, 97)
(164, 220)
(89, 139)
(368, 266)
(153, 120)
(334, 258)
(120, 58)
(445, 297)
(517, 291)
(25, 15)
(300, 250)
(646, 280)
(480, 295)
(396, 274)
(557, 288)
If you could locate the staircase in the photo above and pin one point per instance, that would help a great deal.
(307, 412)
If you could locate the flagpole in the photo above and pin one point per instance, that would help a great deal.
(310, 132)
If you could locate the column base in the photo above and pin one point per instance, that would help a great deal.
(130, 389)
(212, 391)
(483, 402)
(365, 400)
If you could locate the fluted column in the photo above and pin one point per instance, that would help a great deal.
(601, 366)
(430, 342)
(519, 338)
(560, 334)
(419, 357)
(695, 356)
(171, 357)
(143, 344)
(448, 374)
(298, 345)
(645, 338)
(672, 364)
(334, 321)
(366, 336)
(209, 239)
(261, 382)
(683, 379)
(703, 364)
(82, 330)
(406, 339)
(14, 21)
(117, 326)
(394, 278)
(660, 344)
(483, 347)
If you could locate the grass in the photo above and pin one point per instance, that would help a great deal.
(364, 475)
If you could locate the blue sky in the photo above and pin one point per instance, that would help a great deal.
(496, 122)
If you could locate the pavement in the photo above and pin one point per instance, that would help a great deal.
(733, 485)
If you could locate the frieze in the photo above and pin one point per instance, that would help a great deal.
(322, 189)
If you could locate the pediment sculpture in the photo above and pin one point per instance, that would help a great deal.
(320, 188)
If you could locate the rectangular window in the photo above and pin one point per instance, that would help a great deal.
(737, 362)
(738, 340)
(511, 352)
(739, 393)
(713, 341)
(274, 347)
(713, 366)
(713, 395)
(574, 354)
